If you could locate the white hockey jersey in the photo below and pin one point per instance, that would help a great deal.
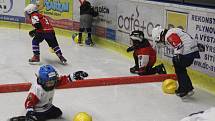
(208, 115)
(39, 99)
(181, 41)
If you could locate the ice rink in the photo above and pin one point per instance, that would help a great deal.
(134, 102)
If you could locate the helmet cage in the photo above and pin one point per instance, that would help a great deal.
(48, 85)
(137, 35)
(47, 77)
(51, 77)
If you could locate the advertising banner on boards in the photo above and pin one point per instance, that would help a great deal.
(105, 22)
(202, 29)
(107, 10)
(11, 11)
(174, 19)
(59, 12)
(137, 16)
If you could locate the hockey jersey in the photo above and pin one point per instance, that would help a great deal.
(45, 24)
(181, 41)
(146, 57)
(40, 100)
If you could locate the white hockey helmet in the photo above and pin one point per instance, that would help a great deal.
(156, 33)
(30, 8)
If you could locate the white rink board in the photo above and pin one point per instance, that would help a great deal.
(202, 29)
(137, 16)
(12, 7)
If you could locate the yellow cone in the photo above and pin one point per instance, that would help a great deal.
(169, 86)
(82, 116)
(75, 37)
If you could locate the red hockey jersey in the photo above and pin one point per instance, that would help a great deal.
(146, 57)
(39, 18)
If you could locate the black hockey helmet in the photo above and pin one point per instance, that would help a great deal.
(86, 5)
(138, 39)
(137, 35)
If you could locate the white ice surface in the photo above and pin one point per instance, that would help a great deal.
(136, 102)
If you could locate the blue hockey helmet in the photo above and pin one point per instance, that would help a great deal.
(47, 76)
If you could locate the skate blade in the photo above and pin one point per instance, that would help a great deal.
(187, 97)
(81, 44)
(34, 63)
(64, 63)
(90, 45)
(191, 93)
(18, 118)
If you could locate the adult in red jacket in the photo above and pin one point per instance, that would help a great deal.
(144, 55)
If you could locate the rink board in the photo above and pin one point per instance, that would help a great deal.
(19, 87)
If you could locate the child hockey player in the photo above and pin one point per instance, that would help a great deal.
(86, 18)
(185, 51)
(39, 101)
(144, 55)
(43, 30)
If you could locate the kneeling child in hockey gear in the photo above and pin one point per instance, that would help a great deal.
(144, 55)
(43, 31)
(186, 49)
(38, 104)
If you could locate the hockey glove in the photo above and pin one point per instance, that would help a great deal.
(79, 75)
(177, 58)
(30, 116)
(95, 13)
(129, 49)
(201, 47)
(32, 33)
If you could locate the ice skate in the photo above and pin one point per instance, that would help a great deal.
(177, 92)
(63, 60)
(18, 118)
(190, 93)
(35, 60)
(89, 42)
(185, 95)
(80, 43)
(134, 70)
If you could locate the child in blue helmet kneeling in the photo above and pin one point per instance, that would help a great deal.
(39, 101)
